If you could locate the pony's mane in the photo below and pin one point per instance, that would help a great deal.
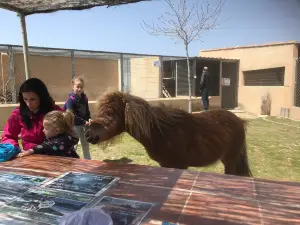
(104, 107)
(141, 117)
(144, 120)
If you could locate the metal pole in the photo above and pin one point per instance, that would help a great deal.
(194, 69)
(221, 76)
(25, 45)
(176, 79)
(12, 74)
(160, 77)
(73, 64)
(296, 83)
(122, 72)
(237, 78)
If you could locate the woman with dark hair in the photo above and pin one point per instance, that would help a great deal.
(27, 119)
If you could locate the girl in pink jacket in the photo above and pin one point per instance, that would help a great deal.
(27, 119)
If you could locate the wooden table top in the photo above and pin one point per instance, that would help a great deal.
(182, 196)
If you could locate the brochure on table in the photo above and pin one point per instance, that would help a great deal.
(39, 200)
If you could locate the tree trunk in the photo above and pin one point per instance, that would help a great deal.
(189, 78)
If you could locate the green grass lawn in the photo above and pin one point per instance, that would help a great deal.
(273, 149)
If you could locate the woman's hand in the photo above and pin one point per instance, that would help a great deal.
(88, 122)
(25, 153)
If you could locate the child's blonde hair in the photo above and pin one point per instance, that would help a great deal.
(79, 79)
(63, 120)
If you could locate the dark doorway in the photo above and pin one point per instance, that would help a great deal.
(223, 78)
(214, 76)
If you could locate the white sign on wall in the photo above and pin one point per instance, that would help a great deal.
(225, 81)
(156, 63)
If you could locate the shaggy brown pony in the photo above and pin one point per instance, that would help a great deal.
(173, 137)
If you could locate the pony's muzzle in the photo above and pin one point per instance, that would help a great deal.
(93, 133)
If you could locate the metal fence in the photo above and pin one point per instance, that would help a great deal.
(141, 74)
(175, 76)
(297, 84)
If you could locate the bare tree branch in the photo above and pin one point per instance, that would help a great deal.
(186, 22)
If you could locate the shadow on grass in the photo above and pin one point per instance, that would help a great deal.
(123, 160)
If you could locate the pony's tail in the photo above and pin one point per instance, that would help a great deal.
(242, 166)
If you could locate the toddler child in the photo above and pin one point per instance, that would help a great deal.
(60, 136)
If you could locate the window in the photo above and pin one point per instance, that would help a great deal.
(265, 77)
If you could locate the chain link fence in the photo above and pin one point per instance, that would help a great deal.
(6, 85)
(175, 76)
(147, 76)
(297, 84)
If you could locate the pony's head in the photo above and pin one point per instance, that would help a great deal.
(118, 112)
(109, 118)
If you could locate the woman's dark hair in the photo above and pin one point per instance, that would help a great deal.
(46, 102)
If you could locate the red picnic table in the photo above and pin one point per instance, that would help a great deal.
(182, 196)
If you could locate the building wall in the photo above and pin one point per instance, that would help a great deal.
(54, 71)
(295, 113)
(145, 78)
(256, 58)
(100, 75)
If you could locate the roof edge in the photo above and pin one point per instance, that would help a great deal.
(9, 7)
(30, 10)
(87, 50)
(253, 46)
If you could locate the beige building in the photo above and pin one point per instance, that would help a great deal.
(102, 71)
(269, 68)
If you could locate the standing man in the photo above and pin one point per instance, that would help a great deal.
(204, 83)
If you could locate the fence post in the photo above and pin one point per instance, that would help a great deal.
(25, 45)
(193, 75)
(161, 75)
(12, 74)
(221, 75)
(73, 63)
(176, 78)
(122, 71)
(297, 83)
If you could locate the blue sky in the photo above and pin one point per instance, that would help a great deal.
(119, 29)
